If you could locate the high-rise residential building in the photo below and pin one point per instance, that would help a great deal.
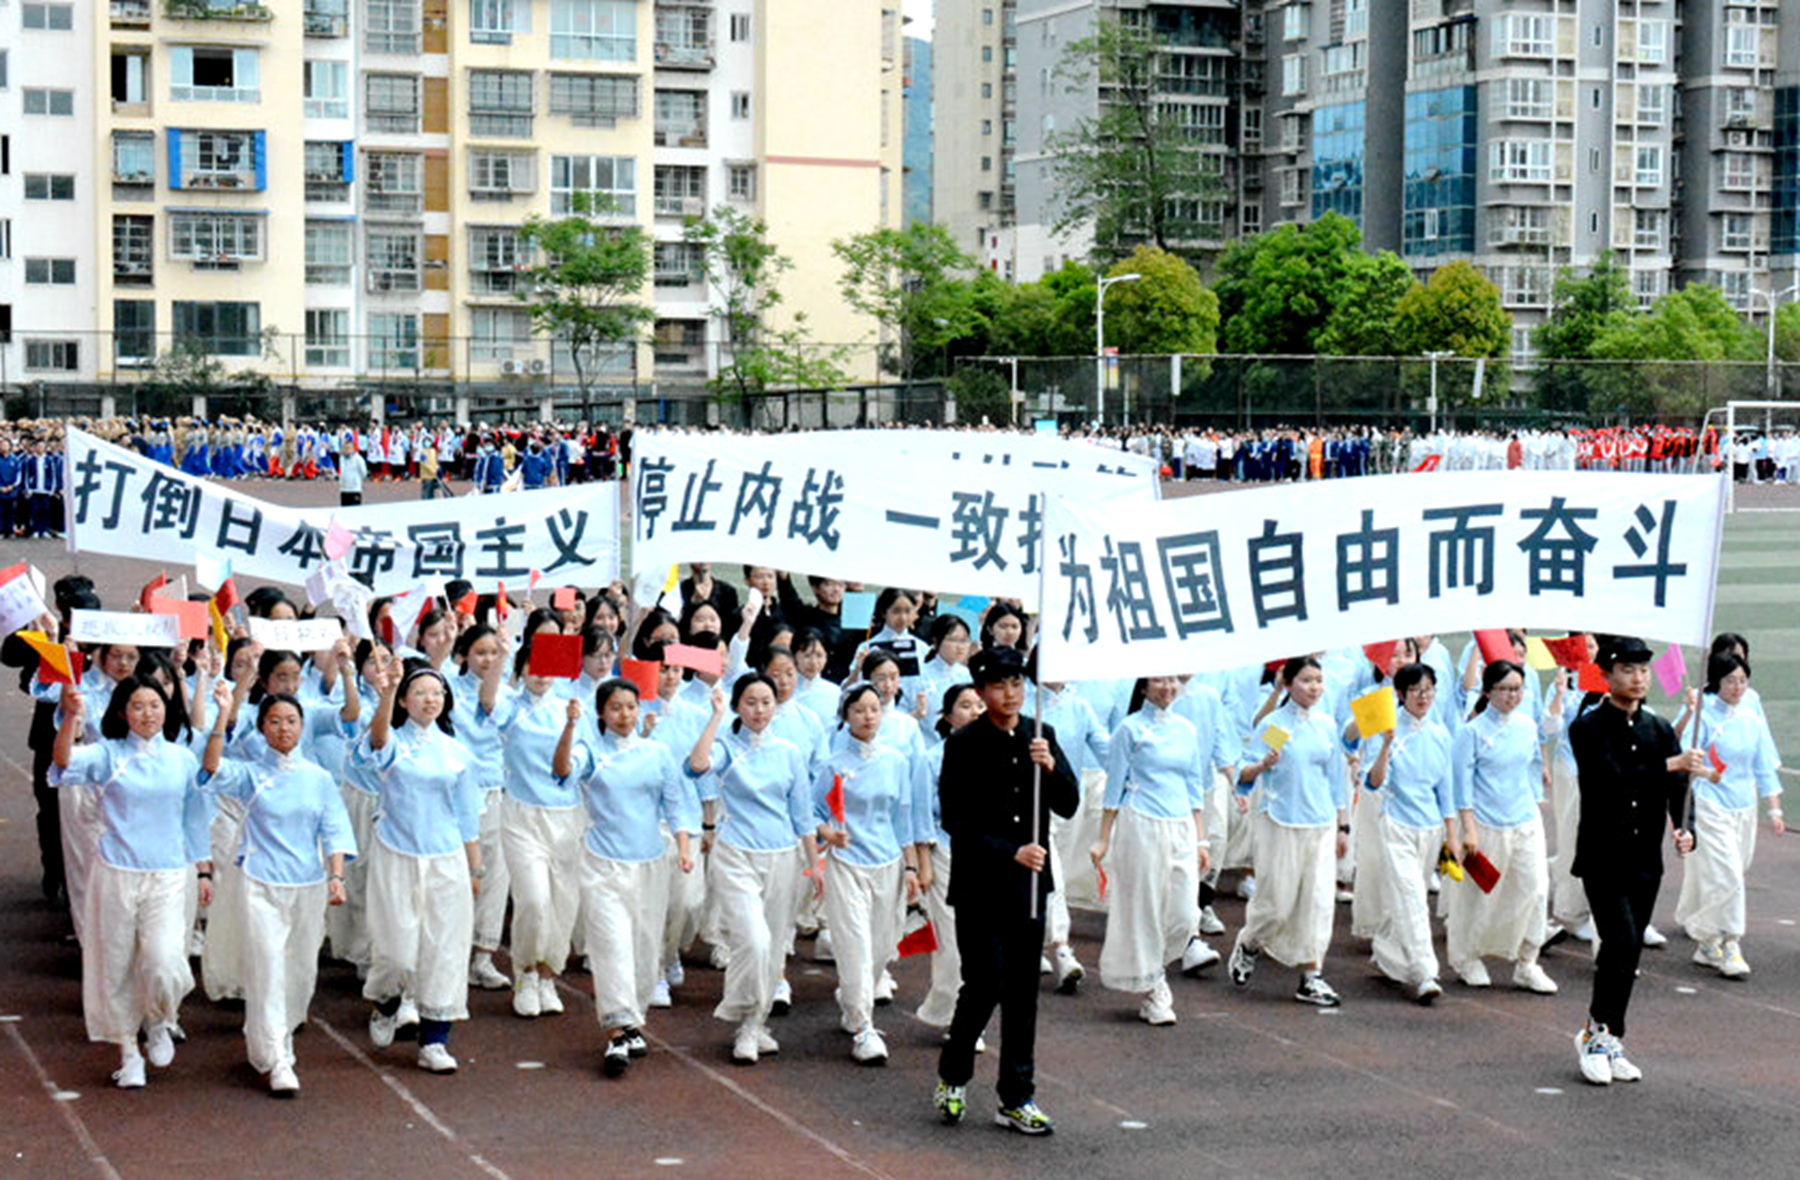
(336, 188)
(974, 126)
(916, 153)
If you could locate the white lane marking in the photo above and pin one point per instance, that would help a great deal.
(64, 1106)
(412, 1100)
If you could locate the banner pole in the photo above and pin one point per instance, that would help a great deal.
(1037, 719)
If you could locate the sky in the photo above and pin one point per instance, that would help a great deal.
(920, 13)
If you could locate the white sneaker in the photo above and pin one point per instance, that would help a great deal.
(720, 958)
(435, 1058)
(1246, 887)
(549, 999)
(1591, 1049)
(1474, 973)
(1654, 937)
(1209, 922)
(282, 1082)
(1158, 1007)
(783, 1000)
(980, 1043)
(408, 1013)
(1069, 971)
(1044, 966)
(676, 975)
(381, 1029)
(1197, 956)
(130, 1074)
(526, 1001)
(1622, 1068)
(822, 948)
(869, 1048)
(1345, 894)
(659, 995)
(884, 989)
(1427, 990)
(1734, 966)
(745, 1045)
(159, 1046)
(766, 1043)
(483, 974)
(196, 942)
(1710, 954)
(1532, 978)
(1583, 930)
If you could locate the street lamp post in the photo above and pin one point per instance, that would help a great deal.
(1774, 299)
(1431, 401)
(1100, 341)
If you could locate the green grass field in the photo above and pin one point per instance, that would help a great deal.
(1759, 597)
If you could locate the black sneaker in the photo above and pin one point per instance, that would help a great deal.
(617, 1058)
(1242, 965)
(1314, 990)
(635, 1044)
(1024, 1118)
(952, 1102)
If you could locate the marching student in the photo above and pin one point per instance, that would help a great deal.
(347, 925)
(961, 705)
(1498, 766)
(1711, 908)
(1302, 791)
(1087, 743)
(483, 650)
(1156, 780)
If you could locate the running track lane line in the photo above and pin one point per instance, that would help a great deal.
(76, 1127)
(842, 1154)
(412, 1100)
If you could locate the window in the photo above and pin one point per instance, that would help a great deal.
(326, 18)
(594, 100)
(393, 103)
(497, 255)
(1648, 285)
(220, 329)
(1530, 98)
(393, 340)
(1519, 225)
(495, 332)
(680, 118)
(1741, 46)
(216, 238)
(500, 103)
(1356, 19)
(1653, 42)
(49, 102)
(328, 253)
(1250, 220)
(740, 104)
(679, 264)
(987, 88)
(594, 30)
(987, 163)
(217, 159)
(613, 179)
(328, 337)
(1195, 123)
(391, 183)
(132, 248)
(1291, 186)
(130, 78)
(2, 69)
(391, 26)
(1740, 106)
(1736, 170)
(740, 27)
(740, 182)
(1519, 161)
(56, 18)
(987, 54)
(1253, 125)
(1525, 286)
(327, 90)
(493, 22)
(1653, 104)
(1735, 285)
(499, 176)
(392, 258)
(1734, 231)
(1295, 22)
(1647, 229)
(1293, 75)
(52, 356)
(679, 191)
(5, 242)
(213, 75)
(50, 272)
(134, 157)
(683, 36)
(328, 170)
(1519, 34)
(134, 330)
(1649, 165)
(49, 186)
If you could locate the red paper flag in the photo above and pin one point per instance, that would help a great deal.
(1102, 875)
(1430, 463)
(1382, 655)
(1481, 870)
(149, 591)
(563, 598)
(1569, 652)
(387, 631)
(338, 540)
(501, 606)
(226, 596)
(193, 618)
(1274, 666)
(49, 673)
(1718, 763)
(532, 584)
(644, 674)
(920, 938)
(834, 798)
(1494, 645)
(466, 604)
(700, 659)
(555, 655)
(1592, 679)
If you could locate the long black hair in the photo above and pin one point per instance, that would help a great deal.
(951, 696)
(415, 671)
(1722, 665)
(942, 628)
(1491, 676)
(113, 725)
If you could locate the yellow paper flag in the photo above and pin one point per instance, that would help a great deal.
(1374, 711)
(673, 580)
(55, 654)
(1276, 737)
(1537, 655)
(218, 625)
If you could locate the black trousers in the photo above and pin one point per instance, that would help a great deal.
(349, 499)
(999, 969)
(1621, 904)
(42, 739)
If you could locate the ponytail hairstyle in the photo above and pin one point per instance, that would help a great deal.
(417, 669)
(468, 639)
(952, 695)
(1491, 676)
(853, 694)
(741, 687)
(1292, 669)
(942, 628)
(265, 668)
(1411, 676)
(1722, 665)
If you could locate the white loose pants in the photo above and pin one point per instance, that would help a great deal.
(134, 968)
(543, 862)
(1153, 898)
(1510, 922)
(863, 907)
(420, 916)
(1711, 906)
(622, 906)
(283, 926)
(1290, 917)
(1402, 949)
(490, 908)
(755, 896)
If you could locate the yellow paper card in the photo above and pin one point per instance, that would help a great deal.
(1537, 655)
(1374, 711)
(1276, 737)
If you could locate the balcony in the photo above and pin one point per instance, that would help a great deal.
(680, 206)
(687, 135)
(319, 22)
(130, 14)
(684, 56)
(241, 10)
(217, 180)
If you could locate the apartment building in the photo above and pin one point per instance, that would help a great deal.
(974, 129)
(336, 188)
(48, 288)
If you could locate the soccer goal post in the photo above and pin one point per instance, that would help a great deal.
(1761, 441)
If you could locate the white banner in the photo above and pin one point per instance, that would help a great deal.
(879, 506)
(301, 635)
(1233, 579)
(122, 503)
(117, 626)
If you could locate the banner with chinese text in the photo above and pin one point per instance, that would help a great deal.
(125, 504)
(1238, 578)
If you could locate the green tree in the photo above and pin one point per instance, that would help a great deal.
(1787, 333)
(1581, 307)
(1275, 290)
(1053, 316)
(1456, 309)
(1692, 324)
(581, 286)
(1129, 169)
(745, 269)
(1361, 320)
(1165, 311)
(907, 280)
(981, 392)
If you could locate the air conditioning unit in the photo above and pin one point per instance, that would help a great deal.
(693, 206)
(509, 368)
(539, 367)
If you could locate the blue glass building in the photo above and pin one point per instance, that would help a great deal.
(1441, 151)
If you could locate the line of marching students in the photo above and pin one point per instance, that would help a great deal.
(392, 798)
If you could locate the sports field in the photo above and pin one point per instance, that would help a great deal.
(1759, 598)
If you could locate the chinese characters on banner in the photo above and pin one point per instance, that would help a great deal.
(1222, 581)
(124, 504)
(962, 514)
